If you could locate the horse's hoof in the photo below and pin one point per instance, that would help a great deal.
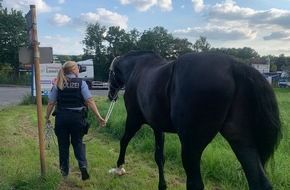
(120, 171)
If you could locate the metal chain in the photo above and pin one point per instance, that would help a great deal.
(49, 134)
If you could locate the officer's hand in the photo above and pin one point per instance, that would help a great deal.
(47, 120)
(102, 122)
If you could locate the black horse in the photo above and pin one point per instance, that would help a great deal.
(197, 96)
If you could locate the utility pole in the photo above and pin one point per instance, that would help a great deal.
(36, 56)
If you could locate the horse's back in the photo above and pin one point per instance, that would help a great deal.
(194, 86)
(203, 67)
(202, 88)
(199, 74)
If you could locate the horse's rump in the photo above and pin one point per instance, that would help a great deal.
(204, 87)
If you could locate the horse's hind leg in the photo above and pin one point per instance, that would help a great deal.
(192, 147)
(242, 143)
(191, 163)
(132, 126)
(159, 158)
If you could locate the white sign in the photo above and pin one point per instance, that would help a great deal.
(48, 74)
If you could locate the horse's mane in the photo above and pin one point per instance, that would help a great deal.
(141, 52)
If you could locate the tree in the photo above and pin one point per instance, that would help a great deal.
(245, 54)
(201, 45)
(95, 48)
(160, 41)
(157, 40)
(94, 38)
(134, 36)
(63, 58)
(103, 45)
(281, 62)
(119, 41)
(179, 47)
(12, 36)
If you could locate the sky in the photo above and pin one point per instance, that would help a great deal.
(263, 25)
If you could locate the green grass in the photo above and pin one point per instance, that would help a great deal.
(20, 161)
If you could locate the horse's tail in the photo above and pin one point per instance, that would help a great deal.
(267, 124)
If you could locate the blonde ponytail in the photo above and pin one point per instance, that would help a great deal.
(66, 69)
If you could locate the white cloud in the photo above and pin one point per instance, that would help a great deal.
(227, 21)
(273, 17)
(278, 36)
(229, 6)
(229, 11)
(144, 5)
(229, 25)
(63, 45)
(215, 32)
(266, 19)
(61, 20)
(166, 5)
(198, 5)
(104, 17)
(24, 5)
(72, 45)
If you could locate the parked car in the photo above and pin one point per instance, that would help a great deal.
(284, 83)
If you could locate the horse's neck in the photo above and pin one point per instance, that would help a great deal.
(144, 67)
(149, 67)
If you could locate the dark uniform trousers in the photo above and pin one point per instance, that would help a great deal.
(69, 128)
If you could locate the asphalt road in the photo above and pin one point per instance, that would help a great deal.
(12, 95)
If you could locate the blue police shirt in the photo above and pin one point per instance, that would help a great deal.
(84, 90)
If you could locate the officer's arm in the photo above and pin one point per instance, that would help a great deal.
(90, 102)
(49, 109)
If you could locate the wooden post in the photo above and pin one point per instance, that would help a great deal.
(36, 57)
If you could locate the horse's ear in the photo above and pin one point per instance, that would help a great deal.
(111, 66)
(113, 62)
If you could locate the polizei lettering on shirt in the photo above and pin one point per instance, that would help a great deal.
(72, 85)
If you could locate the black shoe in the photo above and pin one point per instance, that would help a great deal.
(63, 173)
(85, 174)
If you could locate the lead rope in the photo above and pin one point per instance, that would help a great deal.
(106, 119)
(49, 134)
(120, 170)
(110, 110)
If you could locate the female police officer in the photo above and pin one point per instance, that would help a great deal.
(71, 94)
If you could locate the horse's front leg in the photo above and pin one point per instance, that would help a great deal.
(159, 158)
(132, 126)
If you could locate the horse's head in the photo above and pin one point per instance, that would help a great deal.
(116, 81)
